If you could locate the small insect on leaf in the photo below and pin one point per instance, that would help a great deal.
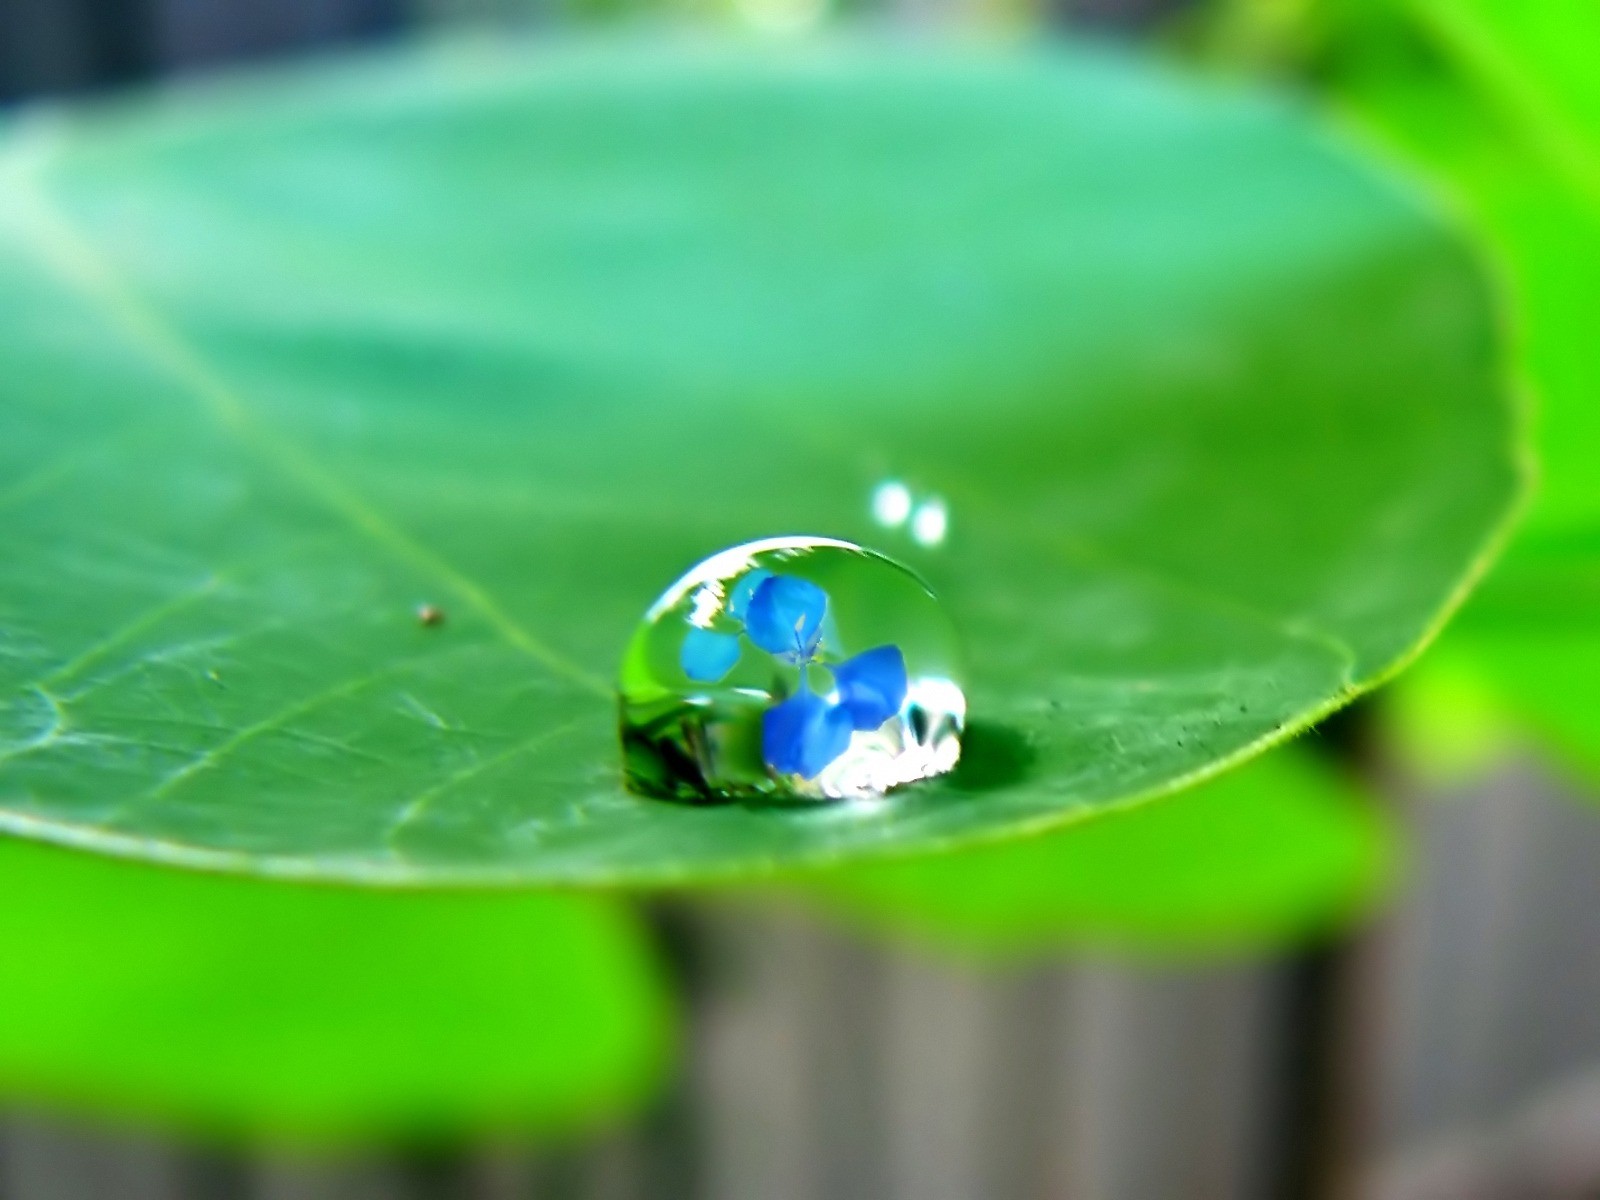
(430, 615)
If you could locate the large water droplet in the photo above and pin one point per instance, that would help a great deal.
(791, 668)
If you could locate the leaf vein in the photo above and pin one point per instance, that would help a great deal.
(273, 722)
(72, 256)
(420, 802)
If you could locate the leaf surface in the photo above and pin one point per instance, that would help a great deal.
(1214, 409)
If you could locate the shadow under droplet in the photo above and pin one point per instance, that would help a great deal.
(993, 756)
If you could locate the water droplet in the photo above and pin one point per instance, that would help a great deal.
(791, 668)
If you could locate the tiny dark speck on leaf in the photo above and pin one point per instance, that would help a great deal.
(430, 615)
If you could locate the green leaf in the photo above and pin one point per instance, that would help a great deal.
(1277, 850)
(1507, 119)
(1215, 410)
(250, 1007)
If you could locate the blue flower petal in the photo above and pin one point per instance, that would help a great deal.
(784, 616)
(739, 595)
(706, 655)
(872, 686)
(803, 735)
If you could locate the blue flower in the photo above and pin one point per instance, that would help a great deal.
(804, 734)
(706, 655)
(739, 595)
(784, 615)
(871, 686)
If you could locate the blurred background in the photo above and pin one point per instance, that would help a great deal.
(1445, 1048)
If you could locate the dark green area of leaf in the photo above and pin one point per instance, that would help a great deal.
(247, 1007)
(1216, 411)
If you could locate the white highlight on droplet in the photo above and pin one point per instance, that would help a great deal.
(891, 503)
(930, 522)
(707, 601)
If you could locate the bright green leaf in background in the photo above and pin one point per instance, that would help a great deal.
(1216, 411)
(1276, 850)
(247, 1007)
(1499, 102)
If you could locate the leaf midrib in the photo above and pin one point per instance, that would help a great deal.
(71, 258)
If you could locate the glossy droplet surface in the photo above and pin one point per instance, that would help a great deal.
(791, 668)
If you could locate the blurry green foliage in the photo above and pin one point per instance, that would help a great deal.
(1498, 102)
(522, 334)
(242, 1007)
(1277, 850)
(1445, 720)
